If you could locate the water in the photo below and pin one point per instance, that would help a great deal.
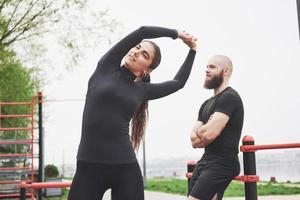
(284, 166)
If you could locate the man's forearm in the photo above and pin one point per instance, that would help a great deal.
(196, 141)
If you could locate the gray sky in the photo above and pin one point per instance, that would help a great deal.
(260, 36)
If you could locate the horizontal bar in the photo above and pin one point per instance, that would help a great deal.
(247, 178)
(244, 178)
(14, 168)
(19, 173)
(15, 103)
(60, 100)
(249, 148)
(7, 142)
(45, 185)
(16, 129)
(17, 155)
(14, 195)
(14, 181)
(15, 116)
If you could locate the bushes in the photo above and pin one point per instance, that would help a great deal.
(51, 171)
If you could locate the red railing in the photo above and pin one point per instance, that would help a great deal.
(23, 186)
(10, 181)
(250, 148)
(250, 178)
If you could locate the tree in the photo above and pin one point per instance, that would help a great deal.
(28, 29)
(20, 19)
(16, 84)
(25, 19)
(33, 27)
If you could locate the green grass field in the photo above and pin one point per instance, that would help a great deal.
(179, 186)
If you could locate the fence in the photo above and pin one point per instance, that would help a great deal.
(249, 178)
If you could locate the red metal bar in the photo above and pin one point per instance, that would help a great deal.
(32, 139)
(249, 148)
(15, 181)
(16, 155)
(6, 142)
(14, 168)
(15, 116)
(16, 129)
(14, 195)
(244, 178)
(15, 103)
(247, 178)
(23, 184)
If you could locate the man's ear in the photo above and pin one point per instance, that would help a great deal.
(226, 70)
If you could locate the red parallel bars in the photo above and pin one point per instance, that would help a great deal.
(250, 178)
(45, 185)
(249, 148)
(24, 185)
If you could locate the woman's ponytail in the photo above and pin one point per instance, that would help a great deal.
(140, 117)
(139, 120)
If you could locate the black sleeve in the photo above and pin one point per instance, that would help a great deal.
(159, 90)
(113, 57)
(227, 103)
(200, 118)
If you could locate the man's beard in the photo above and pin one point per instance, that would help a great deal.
(215, 81)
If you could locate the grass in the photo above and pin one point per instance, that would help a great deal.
(277, 189)
(179, 186)
(175, 186)
(64, 197)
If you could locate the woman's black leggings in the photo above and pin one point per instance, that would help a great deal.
(91, 180)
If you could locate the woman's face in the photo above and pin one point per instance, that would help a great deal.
(139, 58)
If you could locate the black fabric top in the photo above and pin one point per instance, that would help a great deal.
(228, 102)
(113, 96)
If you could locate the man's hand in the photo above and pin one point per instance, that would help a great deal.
(195, 139)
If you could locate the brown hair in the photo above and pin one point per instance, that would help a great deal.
(140, 117)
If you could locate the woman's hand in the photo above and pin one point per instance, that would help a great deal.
(188, 39)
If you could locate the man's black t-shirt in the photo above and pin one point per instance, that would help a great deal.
(228, 102)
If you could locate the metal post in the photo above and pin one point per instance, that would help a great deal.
(298, 10)
(23, 189)
(0, 114)
(41, 153)
(22, 193)
(144, 164)
(190, 168)
(249, 169)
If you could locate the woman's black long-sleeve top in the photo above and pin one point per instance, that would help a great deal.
(113, 96)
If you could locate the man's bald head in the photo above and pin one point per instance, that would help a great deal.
(221, 61)
(218, 72)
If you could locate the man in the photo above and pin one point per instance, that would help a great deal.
(218, 130)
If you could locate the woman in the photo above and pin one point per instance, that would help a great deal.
(117, 94)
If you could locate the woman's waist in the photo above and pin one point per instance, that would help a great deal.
(107, 154)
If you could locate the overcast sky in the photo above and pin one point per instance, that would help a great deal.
(260, 36)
